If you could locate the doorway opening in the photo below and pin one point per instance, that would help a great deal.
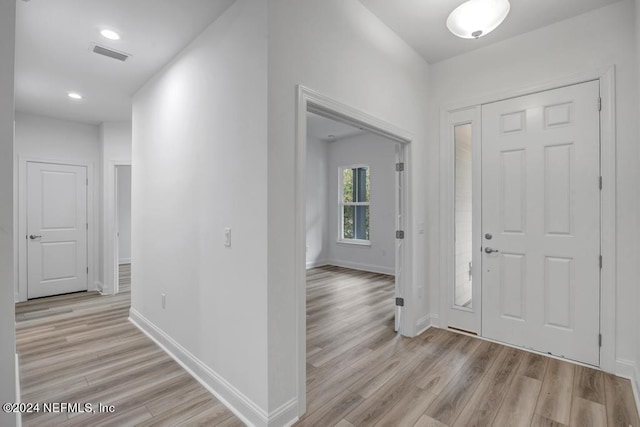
(353, 219)
(122, 236)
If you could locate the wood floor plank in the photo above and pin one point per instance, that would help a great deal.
(333, 411)
(436, 379)
(409, 408)
(587, 413)
(555, 398)
(533, 366)
(458, 392)
(589, 384)
(620, 402)
(485, 402)
(386, 397)
(518, 407)
(427, 421)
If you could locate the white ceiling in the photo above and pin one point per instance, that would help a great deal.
(53, 54)
(422, 23)
(324, 129)
(53, 40)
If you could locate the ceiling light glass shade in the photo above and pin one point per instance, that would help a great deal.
(74, 95)
(477, 18)
(111, 35)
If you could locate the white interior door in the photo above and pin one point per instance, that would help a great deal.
(541, 216)
(56, 229)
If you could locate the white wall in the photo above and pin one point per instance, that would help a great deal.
(200, 165)
(559, 51)
(323, 220)
(115, 147)
(123, 193)
(379, 154)
(7, 313)
(317, 202)
(336, 47)
(47, 139)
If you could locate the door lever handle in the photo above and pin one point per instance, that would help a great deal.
(489, 250)
(34, 237)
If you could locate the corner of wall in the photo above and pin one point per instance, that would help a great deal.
(423, 324)
(286, 415)
(238, 403)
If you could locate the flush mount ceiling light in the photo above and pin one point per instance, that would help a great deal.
(111, 35)
(74, 95)
(476, 18)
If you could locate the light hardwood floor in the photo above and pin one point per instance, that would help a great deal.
(81, 348)
(360, 373)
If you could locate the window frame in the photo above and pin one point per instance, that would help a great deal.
(342, 204)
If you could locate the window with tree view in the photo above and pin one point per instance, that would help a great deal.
(354, 203)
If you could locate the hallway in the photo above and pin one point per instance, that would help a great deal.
(82, 348)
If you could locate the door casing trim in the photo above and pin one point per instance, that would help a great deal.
(308, 100)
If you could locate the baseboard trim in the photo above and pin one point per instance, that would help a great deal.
(423, 324)
(286, 415)
(630, 370)
(243, 407)
(635, 384)
(625, 368)
(317, 263)
(98, 286)
(363, 267)
(435, 320)
(18, 393)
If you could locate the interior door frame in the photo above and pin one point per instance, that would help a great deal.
(608, 238)
(21, 215)
(110, 248)
(309, 100)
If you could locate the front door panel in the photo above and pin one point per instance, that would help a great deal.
(541, 204)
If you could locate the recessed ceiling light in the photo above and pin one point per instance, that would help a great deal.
(111, 35)
(74, 95)
(476, 18)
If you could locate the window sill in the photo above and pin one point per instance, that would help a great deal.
(354, 242)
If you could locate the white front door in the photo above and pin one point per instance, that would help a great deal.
(541, 216)
(56, 229)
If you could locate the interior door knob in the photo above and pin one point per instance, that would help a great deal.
(34, 237)
(489, 250)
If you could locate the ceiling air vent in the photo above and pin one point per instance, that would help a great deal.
(101, 50)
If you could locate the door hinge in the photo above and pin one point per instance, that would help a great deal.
(86, 182)
(87, 270)
(601, 261)
(599, 104)
(400, 302)
(399, 167)
(87, 226)
(399, 234)
(599, 340)
(601, 182)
